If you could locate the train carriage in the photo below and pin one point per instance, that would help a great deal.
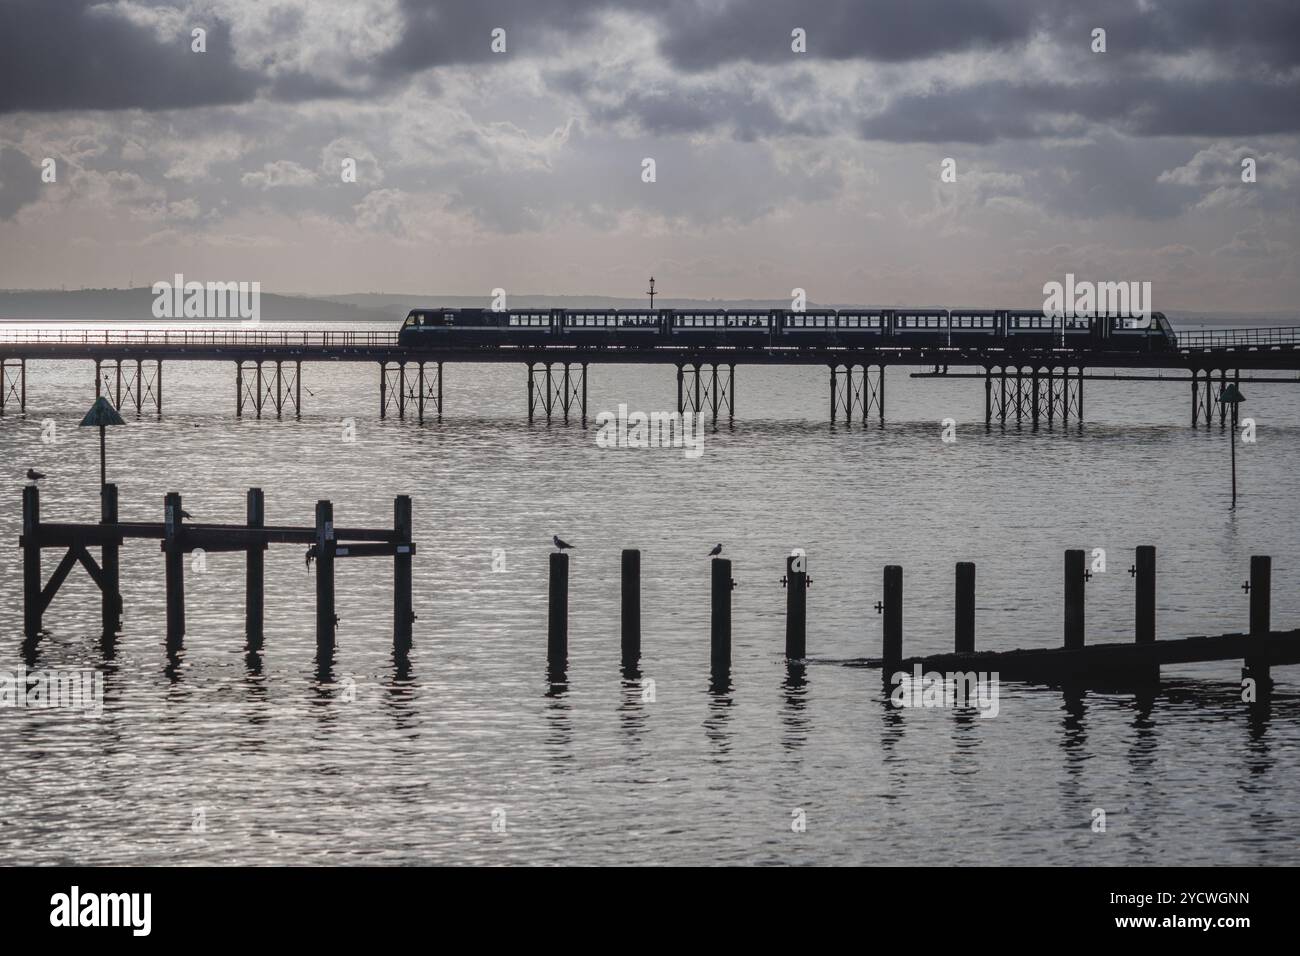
(918, 327)
(722, 328)
(815, 328)
(625, 328)
(975, 328)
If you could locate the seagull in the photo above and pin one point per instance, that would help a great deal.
(186, 514)
(717, 550)
(560, 543)
(34, 475)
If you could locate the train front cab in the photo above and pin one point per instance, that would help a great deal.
(1133, 333)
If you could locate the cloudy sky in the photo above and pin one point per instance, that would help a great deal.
(774, 169)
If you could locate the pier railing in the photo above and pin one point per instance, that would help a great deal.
(199, 338)
(1237, 338)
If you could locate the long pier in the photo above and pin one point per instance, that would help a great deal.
(1036, 383)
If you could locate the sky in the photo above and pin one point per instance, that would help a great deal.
(774, 169)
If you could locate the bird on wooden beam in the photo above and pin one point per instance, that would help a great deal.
(560, 543)
(34, 475)
(717, 550)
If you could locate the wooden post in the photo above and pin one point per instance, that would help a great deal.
(720, 620)
(1144, 571)
(110, 592)
(174, 551)
(1074, 581)
(964, 630)
(254, 574)
(796, 609)
(557, 618)
(1261, 579)
(31, 562)
(631, 637)
(326, 619)
(892, 607)
(403, 612)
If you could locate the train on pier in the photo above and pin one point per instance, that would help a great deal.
(784, 329)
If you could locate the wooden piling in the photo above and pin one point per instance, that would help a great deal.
(892, 607)
(110, 590)
(1144, 572)
(1257, 664)
(174, 560)
(631, 636)
(720, 618)
(326, 619)
(403, 611)
(31, 562)
(254, 573)
(557, 617)
(964, 626)
(796, 609)
(1074, 582)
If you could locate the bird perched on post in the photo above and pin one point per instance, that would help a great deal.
(717, 550)
(186, 515)
(34, 475)
(560, 543)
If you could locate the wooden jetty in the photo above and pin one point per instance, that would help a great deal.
(325, 545)
(1127, 664)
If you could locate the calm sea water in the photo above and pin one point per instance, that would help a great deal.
(384, 765)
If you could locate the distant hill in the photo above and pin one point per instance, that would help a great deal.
(135, 306)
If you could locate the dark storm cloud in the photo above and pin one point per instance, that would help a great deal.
(438, 33)
(64, 55)
(20, 182)
(1139, 106)
(701, 35)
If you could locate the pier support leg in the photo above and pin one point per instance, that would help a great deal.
(988, 398)
(326, 619)
(631, 619)
(532, 392)
(796, 607)
(254, 574)
(174, 559)
(31, 542)
(403, 609)
(720, 622)
(557, 619)
(110, 589)
(964, 628)
(1075, 571)
(13, 383)
(1260, 587)
(239, 390)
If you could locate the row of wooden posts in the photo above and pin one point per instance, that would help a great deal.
(796, 582)
(326, 544)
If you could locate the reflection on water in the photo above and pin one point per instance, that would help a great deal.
(466, 749)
